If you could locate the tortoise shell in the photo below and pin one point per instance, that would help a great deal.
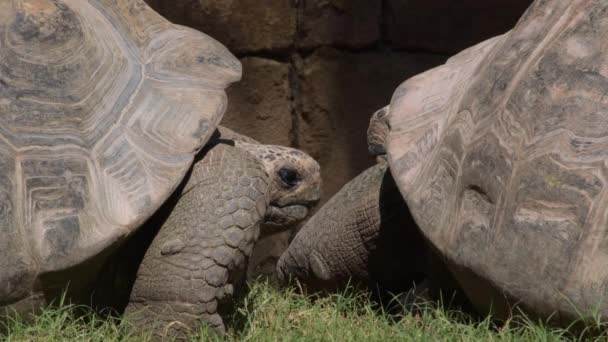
(103, 104)
(502, 157)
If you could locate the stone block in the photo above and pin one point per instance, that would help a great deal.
(260, 105)
(448, 26)
(349, 23)
(339, 92)
(241, 25)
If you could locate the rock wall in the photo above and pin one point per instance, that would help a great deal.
(315, 70)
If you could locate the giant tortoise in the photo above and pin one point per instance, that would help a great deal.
(501, 157)
(104, 105)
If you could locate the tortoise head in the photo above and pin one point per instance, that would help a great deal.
(377, 133)
(295, 183)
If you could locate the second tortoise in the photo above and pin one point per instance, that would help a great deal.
(500, 156)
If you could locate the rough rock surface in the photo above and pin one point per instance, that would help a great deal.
(339, 92)
(448, 26)
(349, 23)
(242, 25)
(261, 103)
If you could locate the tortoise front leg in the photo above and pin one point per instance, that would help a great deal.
(200, 252)
(364, 234)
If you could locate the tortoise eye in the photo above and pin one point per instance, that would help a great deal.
(290, 177)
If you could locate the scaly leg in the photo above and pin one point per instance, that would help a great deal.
(363, 234)
(200, 252)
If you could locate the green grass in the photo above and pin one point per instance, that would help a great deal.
(267, 314)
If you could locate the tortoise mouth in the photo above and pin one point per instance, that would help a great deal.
(286, 216)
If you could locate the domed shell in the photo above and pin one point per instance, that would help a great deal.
(502, 157)
(103, 104)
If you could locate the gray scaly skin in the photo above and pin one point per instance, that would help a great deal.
(377, 132)
(365, 236)
(199, 255)
(360, 235)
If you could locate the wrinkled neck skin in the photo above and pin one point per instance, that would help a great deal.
(295, 183)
